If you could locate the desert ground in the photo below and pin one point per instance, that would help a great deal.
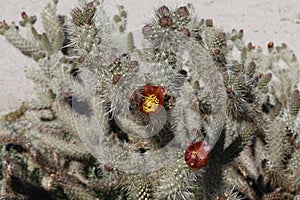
(261, 20)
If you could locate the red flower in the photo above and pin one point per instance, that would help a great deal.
(23, 15)
(197, 155)
(150, 99)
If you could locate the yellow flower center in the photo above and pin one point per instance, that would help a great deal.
(151, 103)
(194, 153)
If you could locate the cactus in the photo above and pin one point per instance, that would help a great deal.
(179, 118)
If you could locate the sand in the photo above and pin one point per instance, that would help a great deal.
(261, 20)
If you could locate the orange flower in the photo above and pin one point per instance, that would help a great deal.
(150, 99)
(197, 155)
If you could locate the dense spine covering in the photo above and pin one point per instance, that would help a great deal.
(180, 118)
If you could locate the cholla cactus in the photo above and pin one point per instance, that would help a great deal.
(180, 118)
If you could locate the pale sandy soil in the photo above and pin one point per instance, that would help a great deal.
(262, 21)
